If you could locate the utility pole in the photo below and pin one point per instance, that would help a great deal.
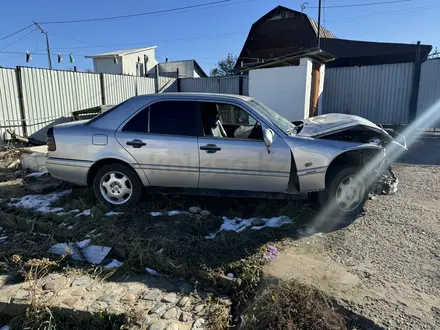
(319, 24)
(47, 44)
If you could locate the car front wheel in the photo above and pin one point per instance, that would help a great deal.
(118, 185)
(346, 192)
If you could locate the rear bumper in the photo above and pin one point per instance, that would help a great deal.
(70, 170)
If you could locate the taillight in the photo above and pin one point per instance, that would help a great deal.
(51, 145)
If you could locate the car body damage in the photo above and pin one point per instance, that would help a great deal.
(350, 128)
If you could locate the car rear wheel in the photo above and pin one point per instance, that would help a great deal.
(118, 185)
(346, 192)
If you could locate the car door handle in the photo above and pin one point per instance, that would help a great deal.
(210, 148)
(136, 143)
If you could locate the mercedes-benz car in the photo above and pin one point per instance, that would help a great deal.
(217, 144)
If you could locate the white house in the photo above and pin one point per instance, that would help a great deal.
(129, 61)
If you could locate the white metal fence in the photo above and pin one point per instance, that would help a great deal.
(9, 102)
(381, 93)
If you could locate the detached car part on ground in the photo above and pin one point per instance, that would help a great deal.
(220, 145)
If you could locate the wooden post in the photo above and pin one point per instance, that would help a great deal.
(240, 85)
(101, 82)
(178, 80)
(314, 91)
(156, 80)
(21, 101)
(415, 85)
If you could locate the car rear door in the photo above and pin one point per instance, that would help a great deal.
(242, 163)
(163, 140)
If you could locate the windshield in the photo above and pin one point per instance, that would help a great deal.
(279, 121)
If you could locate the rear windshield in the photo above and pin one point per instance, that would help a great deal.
(104, 113)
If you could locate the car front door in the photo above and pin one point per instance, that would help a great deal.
(163, 140)
(240, 160)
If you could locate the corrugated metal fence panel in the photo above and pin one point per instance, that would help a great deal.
(380, 93)
(167, 84)
(9, 102)
(429, 91)
(118, 88)
(145, 85)
(246, 85)
(51, 94)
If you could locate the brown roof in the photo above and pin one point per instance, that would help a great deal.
(323, 32)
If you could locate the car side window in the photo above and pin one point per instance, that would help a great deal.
(175, 118)
(222, 120)
(139, 123)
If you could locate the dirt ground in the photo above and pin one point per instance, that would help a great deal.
(385, 265)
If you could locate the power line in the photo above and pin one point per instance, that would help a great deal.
(10, 35)
(154, 41)
(366, 4)
(17, 40)
(137, 15)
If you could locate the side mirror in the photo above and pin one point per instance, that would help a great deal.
(268, 138)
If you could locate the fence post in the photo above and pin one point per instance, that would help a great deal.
(101, 82)
(415, 85)
(240, 85)
(21, 100)
(156, 80)
(178, 80)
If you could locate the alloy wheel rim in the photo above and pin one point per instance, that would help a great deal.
(350, 192)
(116, 187)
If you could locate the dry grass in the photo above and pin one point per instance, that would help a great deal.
(291, 305)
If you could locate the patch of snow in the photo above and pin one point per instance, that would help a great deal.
(230, 275)
(174, 212)
(109, 214)
(37, 174)
(71, 211)
(83, 244)
(40, 202)
(155, 214)
(113, 264)
(152, 271)
(85, 212)
(5, 327)
(238, 224)
(3, 238)
(69, 228)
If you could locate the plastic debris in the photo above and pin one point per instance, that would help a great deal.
(40, 202)
(83, 244)
(230, 275)
(93, 254)
(114, 264)
(109, 214)
(238, 224)
(152, 271)
(37, 174)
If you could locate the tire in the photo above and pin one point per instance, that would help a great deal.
(117, 185)
(344, 184)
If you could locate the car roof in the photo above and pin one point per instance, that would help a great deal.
(169, 95)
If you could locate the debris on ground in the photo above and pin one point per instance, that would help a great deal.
(10, 159)
(40, 202)
(39, 182)
(238, 224)
(81, 251)
(386, 184)
(271, 253)
(194, 209)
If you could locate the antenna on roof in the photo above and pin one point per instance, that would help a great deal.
(304, 6)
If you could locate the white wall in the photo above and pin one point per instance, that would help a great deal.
(129, 61)
(321, 89)
(286, 89)
(107, 65)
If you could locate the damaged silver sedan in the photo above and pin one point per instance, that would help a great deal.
(222, 145)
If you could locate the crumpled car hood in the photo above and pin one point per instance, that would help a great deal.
(334, 122)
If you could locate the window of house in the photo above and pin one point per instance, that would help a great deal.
(224, 120)
(175, 118)
(138, 124)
